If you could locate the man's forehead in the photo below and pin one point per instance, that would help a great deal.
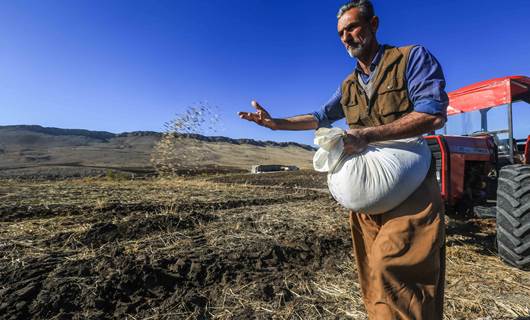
(352, 15)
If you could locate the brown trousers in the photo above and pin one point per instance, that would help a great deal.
(400, 257)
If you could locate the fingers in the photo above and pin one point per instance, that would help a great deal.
(260, 116)
(256, 105)
(348, 150)
(248, 116)
(243, 114)
(354, 142)
(351, 149)
(260, 111)
(348, 145)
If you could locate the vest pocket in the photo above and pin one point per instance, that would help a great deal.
(352, 113)
(392, 102)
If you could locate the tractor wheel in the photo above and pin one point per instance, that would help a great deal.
(513, 215)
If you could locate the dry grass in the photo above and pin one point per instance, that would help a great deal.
(290, 245)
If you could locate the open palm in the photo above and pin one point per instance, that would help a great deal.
(261, 116)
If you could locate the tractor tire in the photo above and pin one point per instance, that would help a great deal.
(513, 215)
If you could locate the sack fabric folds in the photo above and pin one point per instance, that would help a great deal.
(375, 180)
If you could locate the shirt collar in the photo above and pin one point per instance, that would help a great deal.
(375, 60)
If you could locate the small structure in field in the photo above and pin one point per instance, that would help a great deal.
(261, 168)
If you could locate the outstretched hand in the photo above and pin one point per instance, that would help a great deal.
(261, 116)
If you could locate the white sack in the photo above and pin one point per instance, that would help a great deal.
(376, 180)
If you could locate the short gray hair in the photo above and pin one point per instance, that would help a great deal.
(366, 8)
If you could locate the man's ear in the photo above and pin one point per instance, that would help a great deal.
(374, 23)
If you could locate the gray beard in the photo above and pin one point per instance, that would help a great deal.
(355, 52)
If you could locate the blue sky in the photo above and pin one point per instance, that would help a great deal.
(125, 65)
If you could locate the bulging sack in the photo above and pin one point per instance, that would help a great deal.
(376, 180)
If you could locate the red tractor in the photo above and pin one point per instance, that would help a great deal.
(487, 173)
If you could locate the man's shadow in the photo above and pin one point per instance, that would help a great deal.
(477, 232)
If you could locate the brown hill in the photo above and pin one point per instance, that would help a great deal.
(35, 151)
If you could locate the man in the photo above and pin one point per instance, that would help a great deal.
(393, 93)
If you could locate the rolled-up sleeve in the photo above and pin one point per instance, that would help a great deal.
(426, 83)
(331, 111)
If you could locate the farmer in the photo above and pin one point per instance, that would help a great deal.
(393, 93)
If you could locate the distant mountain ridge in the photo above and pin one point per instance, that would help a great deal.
(105, 136)
(35, 151)
(102, 135)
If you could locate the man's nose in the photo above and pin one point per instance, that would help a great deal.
(345, 36)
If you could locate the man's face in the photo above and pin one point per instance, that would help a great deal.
(355, 32)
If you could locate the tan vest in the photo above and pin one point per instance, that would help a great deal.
(389, 100)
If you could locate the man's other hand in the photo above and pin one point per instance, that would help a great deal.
(355, 141)
(261, 116)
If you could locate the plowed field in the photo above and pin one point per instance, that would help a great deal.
(272, 246)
